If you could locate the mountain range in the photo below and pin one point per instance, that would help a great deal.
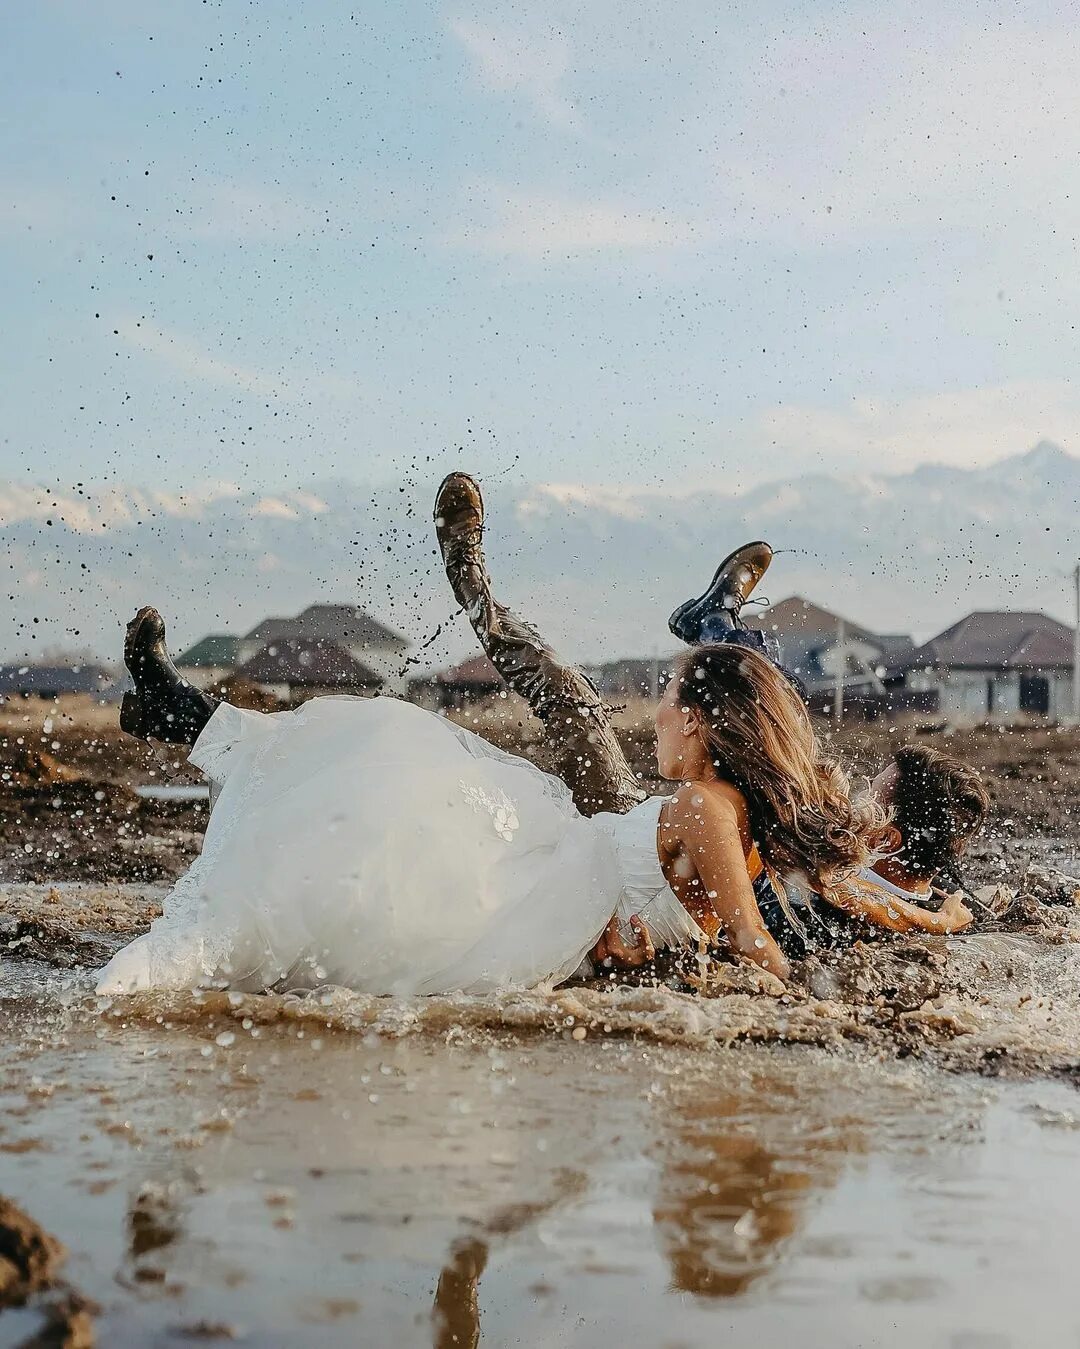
(598, 568)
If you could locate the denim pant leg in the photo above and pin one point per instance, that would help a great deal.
(716, 628)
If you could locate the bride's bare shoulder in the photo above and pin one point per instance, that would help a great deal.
(694, 800)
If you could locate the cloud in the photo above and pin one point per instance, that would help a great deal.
(535, 225)
(832, 133)
(963, 427)
(509, 60)
(847, 130)
(229, 209)
(106, 509)
(623, 502)
(191, 361)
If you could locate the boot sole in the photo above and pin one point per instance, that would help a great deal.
(441, 520)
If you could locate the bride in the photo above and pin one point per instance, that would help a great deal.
(371, 844)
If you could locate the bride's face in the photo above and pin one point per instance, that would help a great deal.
(680, 749)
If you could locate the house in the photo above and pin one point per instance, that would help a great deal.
(210, 662)
(821, 647)
(632, 677)
(296, 668)
(473, 681)
(54, 681)
(994, 665)
(345, 626)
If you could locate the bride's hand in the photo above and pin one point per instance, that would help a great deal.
(620, 954)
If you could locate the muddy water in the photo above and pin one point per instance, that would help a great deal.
(273, 1180)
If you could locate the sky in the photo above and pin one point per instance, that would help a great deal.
(273, 243)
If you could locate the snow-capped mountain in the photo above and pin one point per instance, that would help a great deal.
(597, 568)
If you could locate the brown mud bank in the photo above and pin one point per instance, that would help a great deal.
(55, 1315)
(72, 805)
(70, 802)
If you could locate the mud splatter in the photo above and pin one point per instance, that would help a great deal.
(30, 1265)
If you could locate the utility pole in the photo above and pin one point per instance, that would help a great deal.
(1076, 648)
(841, 664)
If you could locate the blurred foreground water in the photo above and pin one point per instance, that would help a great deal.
(327, 1172)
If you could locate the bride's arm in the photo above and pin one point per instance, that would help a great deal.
(708, 829)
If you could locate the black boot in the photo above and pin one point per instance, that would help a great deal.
(716, 612)
(163, 705)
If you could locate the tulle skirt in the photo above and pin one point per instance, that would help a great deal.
(368, 843)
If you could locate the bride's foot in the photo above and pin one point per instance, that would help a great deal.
(163, 705)
(459, 527)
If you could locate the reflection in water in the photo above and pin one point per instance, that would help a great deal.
(456, 1314)
(153, 1220)
(738, 1166)
(736, 1174)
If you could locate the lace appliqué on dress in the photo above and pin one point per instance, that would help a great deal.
(497, 804)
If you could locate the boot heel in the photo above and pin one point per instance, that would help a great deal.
(132, 716)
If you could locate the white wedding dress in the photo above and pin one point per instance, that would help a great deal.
(367, 843)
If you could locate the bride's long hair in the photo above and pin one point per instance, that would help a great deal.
(760, 738)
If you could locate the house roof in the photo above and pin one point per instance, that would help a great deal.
(345, 624)
(1000, 640)
(806, 630)
(217, 649)
(476, 672)
(29, 678)
(304, 664)
(797, 617)
(270, 629)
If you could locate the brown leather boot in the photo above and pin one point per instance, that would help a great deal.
(587, 753)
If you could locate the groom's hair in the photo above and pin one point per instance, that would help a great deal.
(939, 805)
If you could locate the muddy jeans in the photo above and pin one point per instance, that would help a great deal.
(578, 732)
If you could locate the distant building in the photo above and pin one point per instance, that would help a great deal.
(819, 646)
(632, 677)
(210, 662)
(27, 680)
(994, 665)
(345, 626)
(473, 681)
(294, 668)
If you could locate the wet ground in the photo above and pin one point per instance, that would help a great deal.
(74, 802)
(886, 1153)
(289, 1185)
